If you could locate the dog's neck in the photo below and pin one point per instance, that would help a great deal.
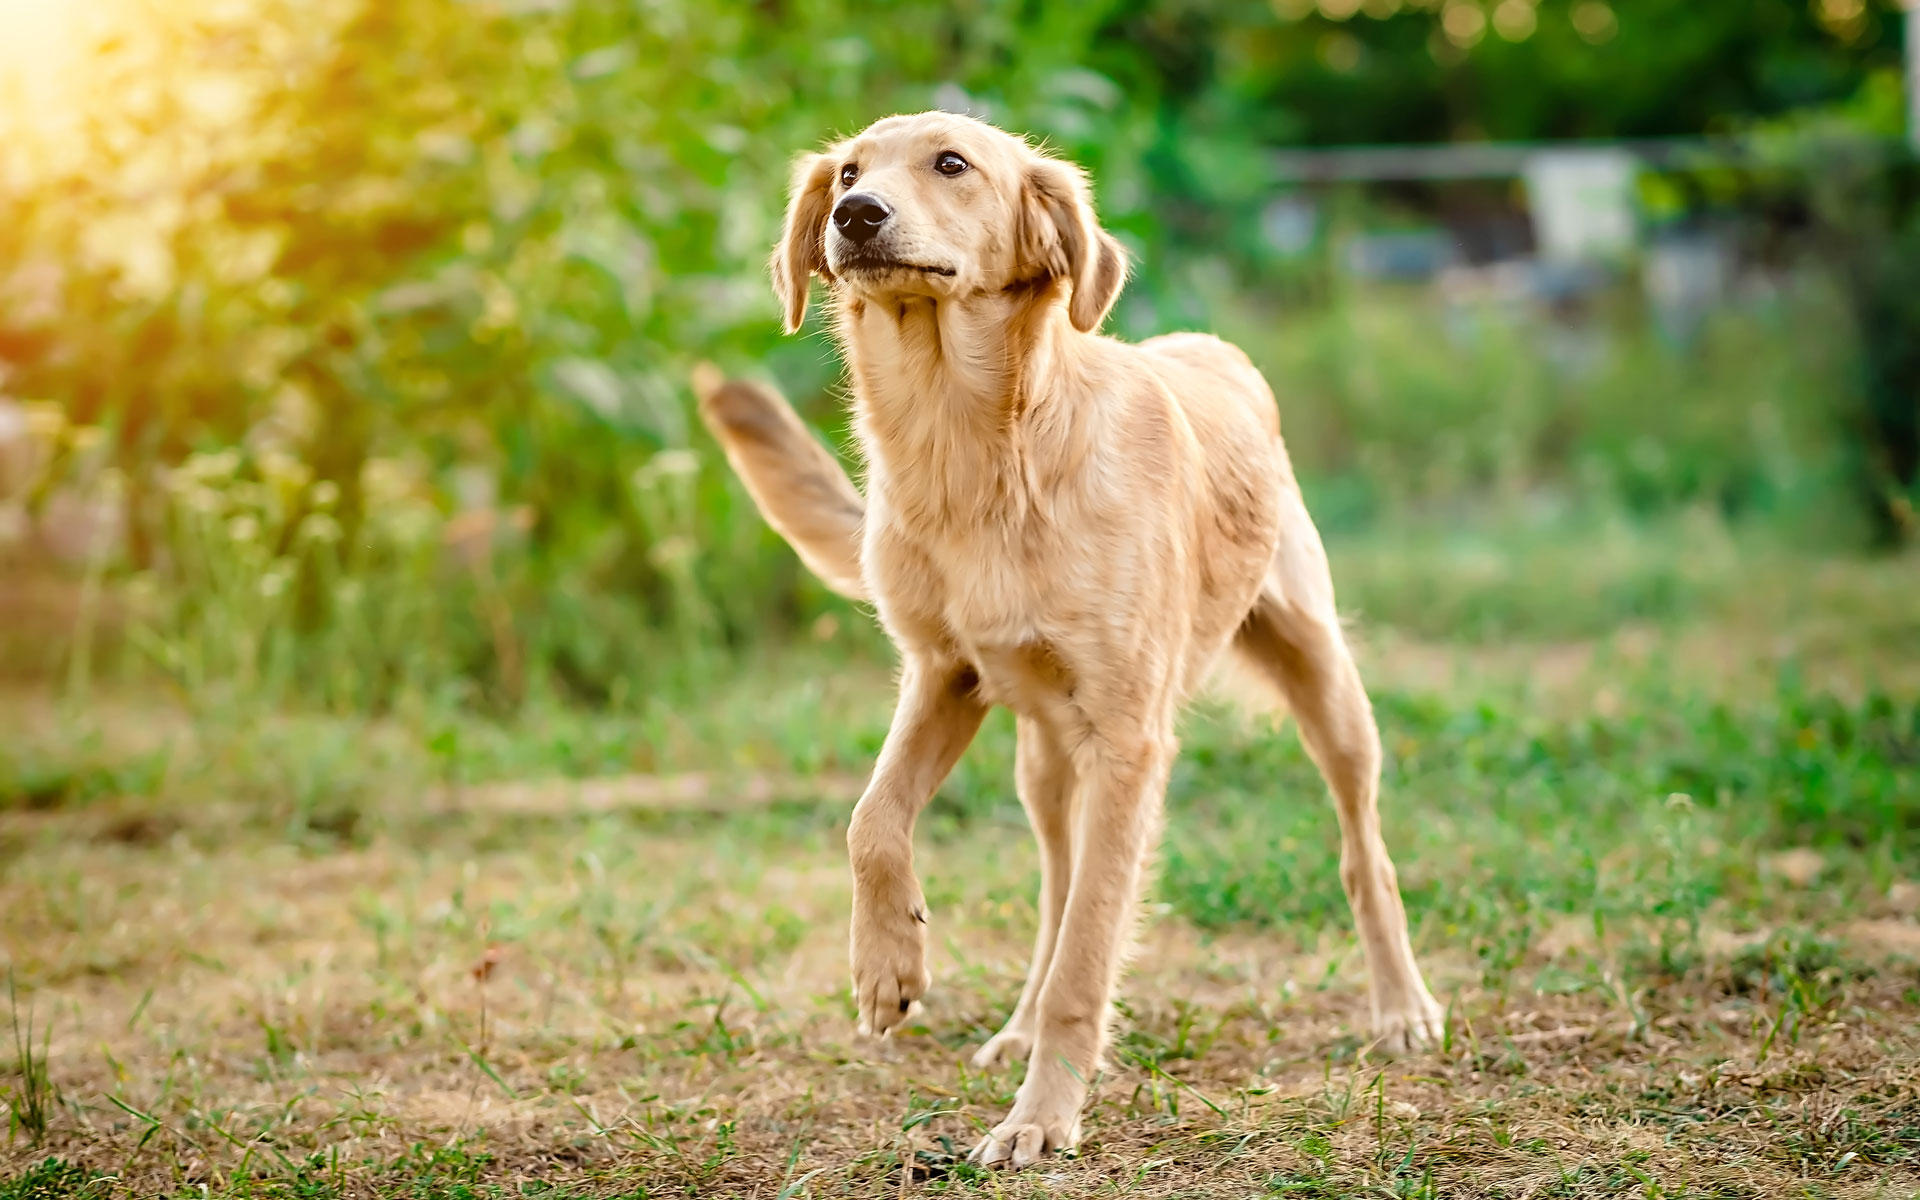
(943, 394)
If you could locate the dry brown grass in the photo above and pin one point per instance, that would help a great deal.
(607, 1005)
(636, 986)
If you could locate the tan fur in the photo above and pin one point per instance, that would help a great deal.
(1062, 523)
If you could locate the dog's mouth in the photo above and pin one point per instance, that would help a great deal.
(880, 264)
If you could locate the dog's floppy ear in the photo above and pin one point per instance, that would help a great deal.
(802, 252)
(1059, 230)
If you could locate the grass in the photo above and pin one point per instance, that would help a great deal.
(31, 1098)
(1655, 798)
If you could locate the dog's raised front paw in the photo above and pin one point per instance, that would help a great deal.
(890, 975)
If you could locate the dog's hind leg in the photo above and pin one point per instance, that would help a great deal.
(1043, 773)
(1292, 640)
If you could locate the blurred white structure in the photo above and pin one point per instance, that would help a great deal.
(1583, 204)
(1582, 207)
(1581, 196)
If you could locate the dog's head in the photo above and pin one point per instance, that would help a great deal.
(943, 206)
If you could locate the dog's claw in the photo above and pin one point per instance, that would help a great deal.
(1411, 1029)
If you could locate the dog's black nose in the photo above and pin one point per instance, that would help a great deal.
(859, 216)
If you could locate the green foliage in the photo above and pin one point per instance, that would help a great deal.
(1844, 176)
(385, 352)
(1697, 787)
(51, 1179)
(38, 777)
(1398, 405)
(31, 1096)
(1401, 73)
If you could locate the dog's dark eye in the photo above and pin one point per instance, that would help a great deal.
(848, 174)
(949, 163)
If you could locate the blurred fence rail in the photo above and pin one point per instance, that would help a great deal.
(1488, 160)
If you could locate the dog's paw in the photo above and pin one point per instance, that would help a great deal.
(1010, 1045)
(1019, 1145)
(1045, 1118)
(1022, 1140)
(889, 961)
(1418, 1024)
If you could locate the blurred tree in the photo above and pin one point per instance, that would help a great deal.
(1384, 71)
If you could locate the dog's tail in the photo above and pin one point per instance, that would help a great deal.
(798, 485)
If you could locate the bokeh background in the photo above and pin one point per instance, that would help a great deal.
(305, 304)
(423, 774)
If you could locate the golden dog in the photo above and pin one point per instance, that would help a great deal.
(1056, 521)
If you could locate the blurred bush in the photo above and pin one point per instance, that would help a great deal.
(1844, 178)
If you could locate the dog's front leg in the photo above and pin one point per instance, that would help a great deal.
(937, 716)
(1043, 774)
(1124, 781)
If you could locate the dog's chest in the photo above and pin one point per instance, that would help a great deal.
(988, 590)
(972, 587)
(999, 613)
